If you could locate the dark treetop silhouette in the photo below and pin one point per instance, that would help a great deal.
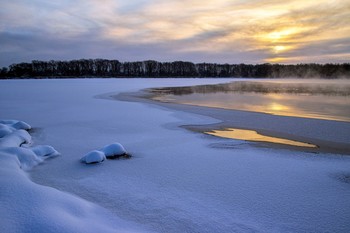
(150, 68)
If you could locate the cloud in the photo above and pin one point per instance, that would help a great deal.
(213, 31)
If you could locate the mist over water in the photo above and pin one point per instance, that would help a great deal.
(321, 99)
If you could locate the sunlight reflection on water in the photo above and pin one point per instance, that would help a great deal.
(251, 135)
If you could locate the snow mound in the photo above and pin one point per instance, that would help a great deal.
(8, 122)
(114, 150)
(15, 138)
(45, 151)
(9, 126)
(16, 124)
(5, 130)
(21, 125)
(94, 156)
(26, 157)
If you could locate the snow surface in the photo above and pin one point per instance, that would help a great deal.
(175, 182)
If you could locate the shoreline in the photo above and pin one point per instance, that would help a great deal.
(330, 136)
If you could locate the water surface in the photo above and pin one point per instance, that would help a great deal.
(321, 99)
(252, 135)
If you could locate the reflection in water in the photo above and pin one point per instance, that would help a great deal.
(313, 87)
(251, 135)
(328, 100)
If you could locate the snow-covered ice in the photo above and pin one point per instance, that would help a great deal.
(175, 182)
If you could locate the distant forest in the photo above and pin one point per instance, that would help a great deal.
(114, 68)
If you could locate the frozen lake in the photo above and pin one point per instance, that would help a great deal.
(177, 180)
(321, 99)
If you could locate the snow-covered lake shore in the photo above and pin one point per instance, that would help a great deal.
(175, 182)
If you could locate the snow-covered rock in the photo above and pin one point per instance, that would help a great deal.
(45, 151)
(94, 156)
(15, 138)
(114, 150)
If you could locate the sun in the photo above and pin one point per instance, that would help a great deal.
(280, 35)
(279, 48)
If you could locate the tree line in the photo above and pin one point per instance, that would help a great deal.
(150, 68)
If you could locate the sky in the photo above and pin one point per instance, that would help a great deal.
(220, 31)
